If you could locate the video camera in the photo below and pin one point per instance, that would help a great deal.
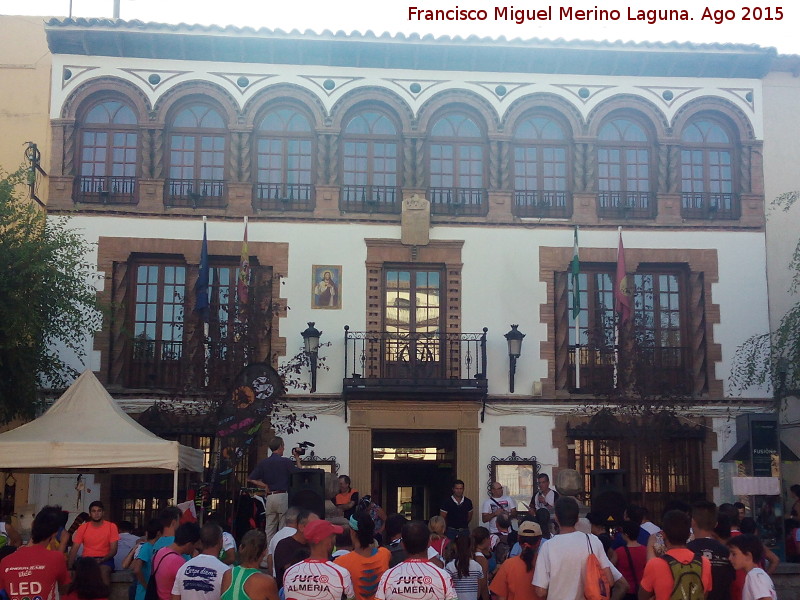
(301, 448)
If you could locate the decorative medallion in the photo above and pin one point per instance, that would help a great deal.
(154, 78)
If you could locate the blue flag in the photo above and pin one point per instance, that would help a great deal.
(201, 304)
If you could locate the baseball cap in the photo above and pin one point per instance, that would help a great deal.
(530, 528)
(318, 530)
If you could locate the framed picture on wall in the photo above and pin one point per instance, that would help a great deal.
(326, 286)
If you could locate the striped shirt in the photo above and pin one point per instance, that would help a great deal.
(416, 579)
(466, 587)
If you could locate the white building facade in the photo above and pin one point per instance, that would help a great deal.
(438, 183)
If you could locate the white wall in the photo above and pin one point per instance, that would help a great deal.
(500, 281)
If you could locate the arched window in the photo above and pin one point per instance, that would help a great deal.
(284, 142)
(456, 166)
(370, 164)
(623, 170)
(706, 171)
(108, 155)
(196, 158)
(541, 168)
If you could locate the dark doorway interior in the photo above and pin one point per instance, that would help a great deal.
(413, 471)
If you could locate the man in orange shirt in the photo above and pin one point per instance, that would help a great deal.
(99, 538)
(679, 567)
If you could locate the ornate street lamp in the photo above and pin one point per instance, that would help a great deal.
(514, 338)
(311, 343)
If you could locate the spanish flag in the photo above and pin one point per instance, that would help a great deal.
(622, 290)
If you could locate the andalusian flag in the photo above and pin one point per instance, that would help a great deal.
(575, 268)
(243, 284)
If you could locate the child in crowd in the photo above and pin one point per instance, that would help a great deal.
(747, 551)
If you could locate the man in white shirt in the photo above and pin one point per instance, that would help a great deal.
(416, 578)
(317, 578)
(497, 504)
(201, 577)
(284, 532)
(561, 563)
(546, 496)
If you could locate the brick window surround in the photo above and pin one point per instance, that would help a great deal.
(114, 254)
(702, 313)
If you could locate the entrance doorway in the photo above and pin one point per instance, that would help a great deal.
(413, 471)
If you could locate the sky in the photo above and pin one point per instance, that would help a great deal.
(726, 21)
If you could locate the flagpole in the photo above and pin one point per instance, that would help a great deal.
(206, 344)
(618, 318)
(576, 316)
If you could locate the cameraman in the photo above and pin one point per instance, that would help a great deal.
(272, 475)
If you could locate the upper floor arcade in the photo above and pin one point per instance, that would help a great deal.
(312, 140)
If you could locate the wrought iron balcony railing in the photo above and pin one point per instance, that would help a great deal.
(542, 203)
(283, 196)
(195, 193)
(458, 201)
(626, 205)
(370, 199)
(697, 205)
(104, 189)
(415, 362)
(654, 370)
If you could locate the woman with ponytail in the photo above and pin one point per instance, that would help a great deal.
(514, 580)
(367, 562)
(246, 581)
(467, 574)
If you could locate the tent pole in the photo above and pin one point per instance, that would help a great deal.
(175, 487)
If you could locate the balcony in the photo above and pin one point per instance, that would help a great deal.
(420, 365)
(370, 199)
(655, 370)
(697, 205)
(283, 196)
(542, 204)
(156, 364)
(626, 205)
(104, 189)
(194, 193)
(458, 201)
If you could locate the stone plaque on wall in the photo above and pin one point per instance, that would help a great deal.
(416, 221)
(513, 436)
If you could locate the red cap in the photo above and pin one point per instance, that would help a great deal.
(318, 530)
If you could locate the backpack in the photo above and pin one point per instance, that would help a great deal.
(688, 579)
(503, 547)
(596, 585)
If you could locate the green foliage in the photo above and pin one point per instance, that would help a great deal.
(48, 300)
(773, 358)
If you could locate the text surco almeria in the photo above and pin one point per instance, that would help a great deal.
(571, 13)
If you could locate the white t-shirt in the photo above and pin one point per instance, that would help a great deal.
(228, 541)
(491, 504)
(561, 559)
(415, 579)
(317, 580)
(758, 585)
(200, 578)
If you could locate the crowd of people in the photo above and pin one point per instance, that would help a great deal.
(544, 550)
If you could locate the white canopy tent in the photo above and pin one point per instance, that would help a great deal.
(85, 431)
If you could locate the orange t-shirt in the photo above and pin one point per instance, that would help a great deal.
(96, 540)
(513, 582)
(365, 571)
(658, 576)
